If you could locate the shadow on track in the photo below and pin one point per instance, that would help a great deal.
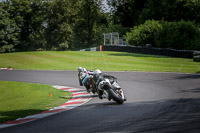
(171, 115)
(191, 76)
(195, 90)
(13, 115)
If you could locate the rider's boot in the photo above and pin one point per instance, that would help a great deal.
(100, 94)
(93, 90)
(88, 88)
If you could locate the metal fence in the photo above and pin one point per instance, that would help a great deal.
(151, 50)
(196, 57)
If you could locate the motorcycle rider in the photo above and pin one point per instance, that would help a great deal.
(94, 81)
(85, 78)
(89, 78)
(98, 79)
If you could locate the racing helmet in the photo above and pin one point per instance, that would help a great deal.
(80, 69)
(97, 71)
(84, 70)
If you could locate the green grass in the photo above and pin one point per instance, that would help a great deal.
(20, 99)
(106, 61)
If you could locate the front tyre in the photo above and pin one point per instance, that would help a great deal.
(115, 96)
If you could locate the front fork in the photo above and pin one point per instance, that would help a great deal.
(120, 91)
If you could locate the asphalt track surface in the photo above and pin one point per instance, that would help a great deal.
(157, 102)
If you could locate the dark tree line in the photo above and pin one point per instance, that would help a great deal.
(28, 25)
(162, 23)
(130, 13)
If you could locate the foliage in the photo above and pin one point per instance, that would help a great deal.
(63, 46)
(89, 20)
(130, 13)
(116, 28)
(28, 17)
(126, 12)
(171, 10)
(60, 21)
(143, 34)
(29, 25)
(9, 31)
(177, 35)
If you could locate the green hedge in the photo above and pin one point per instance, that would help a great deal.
(143, 34)
(177, 35)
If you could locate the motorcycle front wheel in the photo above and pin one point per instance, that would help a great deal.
(115, 96)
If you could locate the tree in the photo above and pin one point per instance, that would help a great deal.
(36, 26)
(181, 35)
(8, 30)
(130, 13)
(59, 21)
(19, 10)
(25, 17)
(89, 20)
(126, 12)
(171, 10)
(178, 35)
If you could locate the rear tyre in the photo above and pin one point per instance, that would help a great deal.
(115, 96)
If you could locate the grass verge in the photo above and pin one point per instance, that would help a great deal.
(106, 61)
(20, 99)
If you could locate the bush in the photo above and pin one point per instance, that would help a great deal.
(40, 49)
(177, 35)
(143, 34)
(63, 46)
(7, 48)
(54, 49)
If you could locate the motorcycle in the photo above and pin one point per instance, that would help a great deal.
(112, 90)
(107, 85)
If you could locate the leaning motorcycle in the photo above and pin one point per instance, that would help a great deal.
(112, 90)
